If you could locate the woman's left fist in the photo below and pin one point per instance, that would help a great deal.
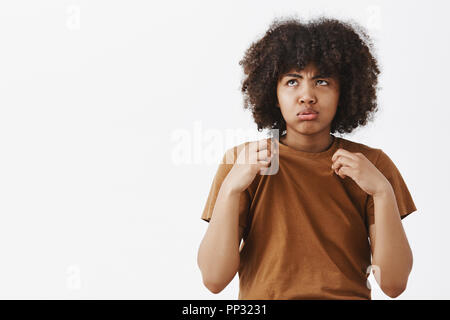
(360, 169)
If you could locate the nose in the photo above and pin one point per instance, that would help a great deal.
(308, 100)
(307, 96)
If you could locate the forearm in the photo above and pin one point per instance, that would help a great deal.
(392, 253)
(218, 255)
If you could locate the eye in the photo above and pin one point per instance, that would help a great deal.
(323, 81)
(290, 81)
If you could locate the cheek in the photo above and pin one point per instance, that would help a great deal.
(285, 102)
(285, 113)
(283, 96)
(335, 95)
(331, 99)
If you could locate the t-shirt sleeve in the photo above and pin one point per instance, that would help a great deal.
(405, 202)
(222, 171)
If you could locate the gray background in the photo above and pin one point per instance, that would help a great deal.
(94, 95)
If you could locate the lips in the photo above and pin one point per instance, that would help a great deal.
(307, 112)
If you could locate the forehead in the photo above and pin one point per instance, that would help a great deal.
(310, 71)
(310, 68)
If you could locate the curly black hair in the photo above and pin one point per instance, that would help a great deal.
(341, 49)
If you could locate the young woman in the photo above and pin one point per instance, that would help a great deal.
(333, 210)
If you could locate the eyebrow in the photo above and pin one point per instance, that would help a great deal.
(296, 75)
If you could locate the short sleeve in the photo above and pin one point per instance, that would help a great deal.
(405, 202)
(222, 171)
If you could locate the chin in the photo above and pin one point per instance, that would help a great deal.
(308, 128)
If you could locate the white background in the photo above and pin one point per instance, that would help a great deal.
(93, 202)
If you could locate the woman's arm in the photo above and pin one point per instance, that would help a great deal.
(218, 256)
(391, 253)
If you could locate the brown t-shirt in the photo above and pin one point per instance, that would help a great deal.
(306, 229)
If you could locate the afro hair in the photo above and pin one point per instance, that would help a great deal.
(340, 49)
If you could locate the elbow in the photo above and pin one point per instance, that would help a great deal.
(394, 291)
(397, 285)
(213, 287)
(215, 281)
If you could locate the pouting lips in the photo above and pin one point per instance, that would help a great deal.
(306, 112)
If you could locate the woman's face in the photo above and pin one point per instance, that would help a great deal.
(307, 90)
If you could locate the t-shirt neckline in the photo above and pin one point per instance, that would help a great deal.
(323, 154)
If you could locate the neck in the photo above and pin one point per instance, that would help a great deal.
(308, 143)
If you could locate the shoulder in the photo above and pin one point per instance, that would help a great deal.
(371, 153)
(376, 155)
(231, 154)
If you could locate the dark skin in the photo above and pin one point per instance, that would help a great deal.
(308, 90)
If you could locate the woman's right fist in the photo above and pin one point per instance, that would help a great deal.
(256, 156)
